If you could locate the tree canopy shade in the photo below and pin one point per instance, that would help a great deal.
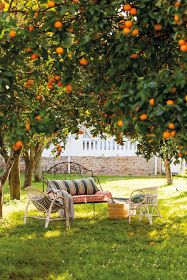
(117, 65)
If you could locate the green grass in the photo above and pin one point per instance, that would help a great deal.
(96, 247)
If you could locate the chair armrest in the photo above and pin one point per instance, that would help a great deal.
(96, 179)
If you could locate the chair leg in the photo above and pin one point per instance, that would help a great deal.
(149, 216)
(67, 218)
(49, 214)
(26, 211)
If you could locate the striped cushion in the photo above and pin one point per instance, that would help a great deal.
(74, 187)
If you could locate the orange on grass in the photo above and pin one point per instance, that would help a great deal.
(128, 23)
(127, 7)
(18, 145)
(31, 28)
(59, 50)
(134, 55)
(120, 123)
(171, 126)
(58, 24)
(68, 88)
(135, 32)
(173, 133)
(169, 102)
(181, 42)
(143, 117)
(183, 48)
(158, 27)
(12, 33)
(51, 4)
(133, 11)
(83, 61)
(166, 134)
(38, 118)
(126, 30)
(152, 101)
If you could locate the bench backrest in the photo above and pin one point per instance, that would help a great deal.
(65, 170)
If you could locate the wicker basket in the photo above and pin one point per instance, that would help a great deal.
(118, 210)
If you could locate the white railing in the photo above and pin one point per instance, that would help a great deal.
(86, 146)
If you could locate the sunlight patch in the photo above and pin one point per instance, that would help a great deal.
(50, 234)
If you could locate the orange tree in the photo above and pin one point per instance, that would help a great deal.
(125, 62)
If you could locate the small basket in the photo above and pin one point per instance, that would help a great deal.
(118, 210)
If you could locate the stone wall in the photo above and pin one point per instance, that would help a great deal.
(118, 166)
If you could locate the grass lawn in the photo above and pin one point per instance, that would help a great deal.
(96, 247)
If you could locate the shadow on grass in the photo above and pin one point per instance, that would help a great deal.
(94, 248)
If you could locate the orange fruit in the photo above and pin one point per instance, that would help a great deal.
(122, 24)
(70, 29)
(75, 1)
(128, 23)
(179, 154)
(171, 126)
(2, 6)
(177, 4)
(31, 28)
(143, 117)
(27, 126)
(173, 90)
(39, 97)
(57, 78)
(36, 14)
(59, 50)
(126, 30)
(183, 48)
(59, 148)
(169, 102)
(49, 85)
(58, 24)
(30, 82)
(133, 11)
(51, 4)
(83, 61)
(185, 98)
(134, 55)
(81, 131)
(68, 88)
(28, 50)
(166, 134)
(69, 55)
(152, 101)
(173, 133)
(60, 84)
(135, 32)
(127, 7)
(158, 27)
(52, 80)
(35, 56)
(38, 118)
(18, 145)
(120, 123)
(181, 42)
(176, 18)
(12, 33)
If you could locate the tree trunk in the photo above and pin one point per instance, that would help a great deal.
(29, 167)
(4, 177)
(38, 168)
(14, 179)
(168, 172)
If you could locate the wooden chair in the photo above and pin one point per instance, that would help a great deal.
(143, 202)
(45, 204)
